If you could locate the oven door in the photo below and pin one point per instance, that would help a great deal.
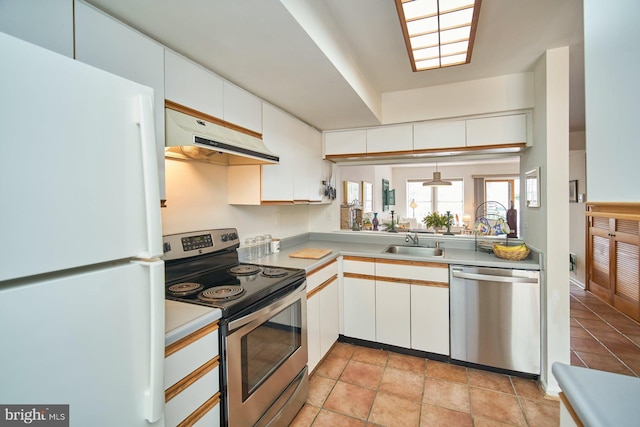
(266, 353)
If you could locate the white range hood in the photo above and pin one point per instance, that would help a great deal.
(191, 138)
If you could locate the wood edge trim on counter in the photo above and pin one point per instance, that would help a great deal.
(315, 270)
(189, 339)
(200, 115)
(515, 145)
(322, 286)
(416, 282)
(359, 276)
(194, 376)
(201, 411)
(409, 262)
(358, 258)
(570, 409)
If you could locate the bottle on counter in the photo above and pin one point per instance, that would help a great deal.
(267, 244)
(252, 250)
(275, 245)
(259, 246)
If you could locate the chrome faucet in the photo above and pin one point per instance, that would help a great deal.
(413, 238)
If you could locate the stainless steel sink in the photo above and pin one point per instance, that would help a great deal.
(412, 251)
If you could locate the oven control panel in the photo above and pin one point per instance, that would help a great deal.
(183, 245)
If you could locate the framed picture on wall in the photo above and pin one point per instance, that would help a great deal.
(573, 191)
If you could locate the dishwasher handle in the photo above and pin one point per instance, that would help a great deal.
(486, 278)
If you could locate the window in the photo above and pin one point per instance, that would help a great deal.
(435, 199)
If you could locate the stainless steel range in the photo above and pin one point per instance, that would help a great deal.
(263, 329)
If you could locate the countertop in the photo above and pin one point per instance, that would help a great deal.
(373, 246)
(182, 319)
(600, 398)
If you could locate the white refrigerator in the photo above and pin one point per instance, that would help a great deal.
(81, 282)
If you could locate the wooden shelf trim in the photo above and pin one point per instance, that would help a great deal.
(191, 338)
(315, 270)
(413, 281)
(359, 276)
(414, 263)
(358, 258)
(426, 151)
(633, 217)
(573, 414)
(194, 376)
(322, 286)
(201, 411)
(200, 115)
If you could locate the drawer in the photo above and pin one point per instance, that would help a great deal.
(318, 276)
(433, 272)
(192, 397)
(358, 265)
(190, 353)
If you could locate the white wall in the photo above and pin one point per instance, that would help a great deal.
(491, 95)
(547, 227)
(197, 199)
(612, 61)
(577, 220)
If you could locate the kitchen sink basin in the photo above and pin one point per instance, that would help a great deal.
(412, 251)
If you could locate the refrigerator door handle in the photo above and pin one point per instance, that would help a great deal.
(486, 278)
(155, 391)
(150, 173)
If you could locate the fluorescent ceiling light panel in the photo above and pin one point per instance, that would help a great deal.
(438, 33)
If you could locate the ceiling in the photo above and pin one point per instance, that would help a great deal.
(331, 67)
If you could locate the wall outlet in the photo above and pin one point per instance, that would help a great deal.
(573, 260)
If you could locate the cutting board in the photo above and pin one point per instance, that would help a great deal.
(310, 253)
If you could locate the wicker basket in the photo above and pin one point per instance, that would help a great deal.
(511, 255)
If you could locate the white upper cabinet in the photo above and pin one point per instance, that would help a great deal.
(390, 139)
(497, 130)
(242, 108)
(45, 23)
(345, 142)
(279, 133)
(434, 135)
(108, 44)
(193, 86)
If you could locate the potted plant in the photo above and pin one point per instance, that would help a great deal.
(436, 221)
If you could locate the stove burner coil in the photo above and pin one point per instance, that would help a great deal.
(184, 289)
(274, 272)
(221, 293)
(244, 270)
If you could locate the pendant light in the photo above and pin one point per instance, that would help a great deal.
(437, 180)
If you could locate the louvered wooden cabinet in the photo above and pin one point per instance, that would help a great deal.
(613, 255)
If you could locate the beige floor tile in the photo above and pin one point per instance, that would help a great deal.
(349, 399)
(437, 416)
(390, 410)
(362, 374)
(529, 389)
(305, 417)
(448, 394)
(446, 371)
(402, 383)
(319, 389)
(333, 419)
(487, 422)
(331, 367)
(490, 380)
(343, 350)
(406, 362)
(371, 355)
(497, 406)
(541, 413)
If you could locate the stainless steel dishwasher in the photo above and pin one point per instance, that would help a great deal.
(495, 317)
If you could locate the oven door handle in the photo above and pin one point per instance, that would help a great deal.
(271, 308)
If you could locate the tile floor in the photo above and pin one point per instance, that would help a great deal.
(358, 386)
(602, 337)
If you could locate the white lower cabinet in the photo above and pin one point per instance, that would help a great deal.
(323, 316)
(393, 308)
(359, 298)
(430, 318)
(192, 379)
